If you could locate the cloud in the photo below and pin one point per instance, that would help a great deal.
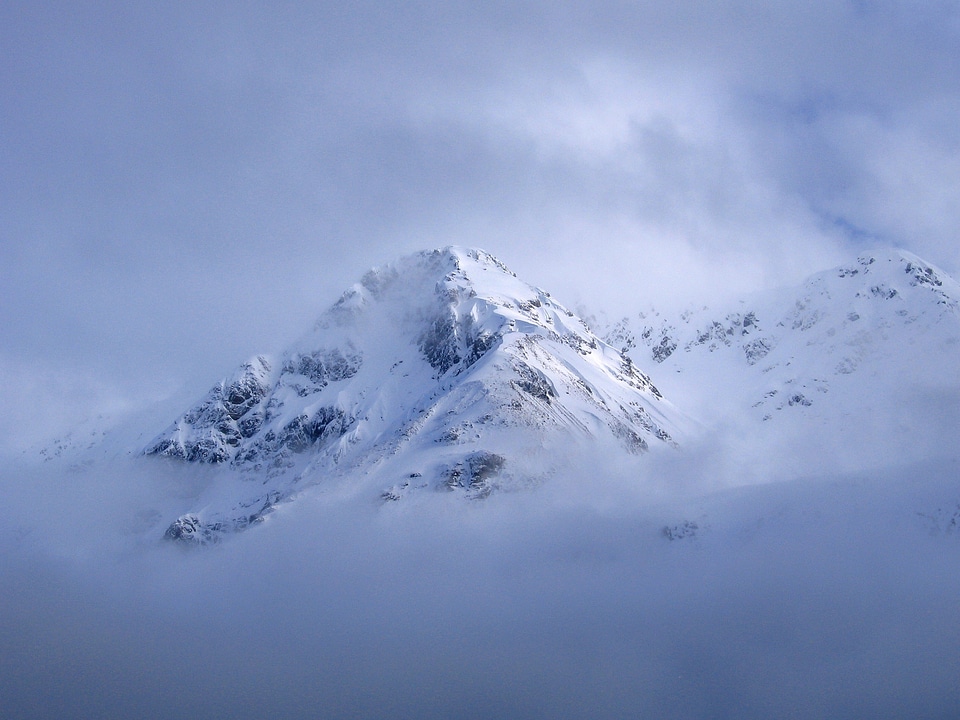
(202, 184)
(803, 597)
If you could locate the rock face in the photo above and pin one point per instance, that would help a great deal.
(212, 431)
(442, 371)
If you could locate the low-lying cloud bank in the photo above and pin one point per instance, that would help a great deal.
(602, 593)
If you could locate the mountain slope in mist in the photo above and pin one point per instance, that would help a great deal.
(445, 372)
(862, 361)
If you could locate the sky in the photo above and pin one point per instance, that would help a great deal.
(183, 187)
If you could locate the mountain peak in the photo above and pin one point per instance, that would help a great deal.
(420, 270)
(901, 267)
(443, 367)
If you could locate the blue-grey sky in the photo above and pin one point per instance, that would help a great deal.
(182, 186)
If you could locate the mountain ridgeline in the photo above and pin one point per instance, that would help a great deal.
(443, 372)
(856, 368)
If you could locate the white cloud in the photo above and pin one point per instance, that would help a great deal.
(808, 598)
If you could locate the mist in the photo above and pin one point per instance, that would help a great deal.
(665, 588)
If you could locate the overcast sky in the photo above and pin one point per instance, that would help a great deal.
(185, 185)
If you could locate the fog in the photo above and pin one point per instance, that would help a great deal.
(659, 588)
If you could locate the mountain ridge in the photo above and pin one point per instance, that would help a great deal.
(853, 359)
(443, 371)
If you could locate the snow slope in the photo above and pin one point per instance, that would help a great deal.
(443, 371)
(861, 361)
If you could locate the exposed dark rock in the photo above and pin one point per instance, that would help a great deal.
(756, 350)
(189, 528)
(631, 440)
(633, 377)
(394, 494)
(715, 333)
(205, 450)
(620, 336)
(534, 382)
(884, 292)
(664, 350)
(922, 275)
(320, 369)
(449, 341)
(440, 343)
(681, 531)
(251, 424)
(581, 345)
(244, 393)
(474, 473)
(231, 412)
(297, 436)
(479, 347)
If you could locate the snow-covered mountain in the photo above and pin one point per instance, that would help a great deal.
(440, 371)
(444, 371)
(860, 359)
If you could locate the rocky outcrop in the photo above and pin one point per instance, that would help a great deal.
(231, 412)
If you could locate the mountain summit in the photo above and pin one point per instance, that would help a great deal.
(859, 363)
(442, 371)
